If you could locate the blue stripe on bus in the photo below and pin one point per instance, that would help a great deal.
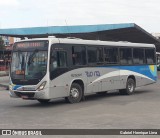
(16, 87)
(144, 70)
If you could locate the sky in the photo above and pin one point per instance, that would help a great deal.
(35, 13)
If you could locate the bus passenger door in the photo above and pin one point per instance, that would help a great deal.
(58, 70)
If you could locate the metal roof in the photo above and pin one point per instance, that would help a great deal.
(106, 32)
(50, 30)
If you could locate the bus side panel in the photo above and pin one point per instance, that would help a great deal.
(60, 86)
(144, 74)
(98, 79)
(95, 79)
(106, 78)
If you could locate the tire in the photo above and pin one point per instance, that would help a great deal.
(43, 101)
(75, 95)
(130, 87)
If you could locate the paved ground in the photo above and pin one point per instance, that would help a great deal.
(4, 81)
(141, 110)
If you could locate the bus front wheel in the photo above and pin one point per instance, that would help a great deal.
(76, 94)
(130, 87)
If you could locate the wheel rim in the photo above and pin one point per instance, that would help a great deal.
(130, 87)
(74, 93)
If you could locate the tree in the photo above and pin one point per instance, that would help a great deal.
(1, 43)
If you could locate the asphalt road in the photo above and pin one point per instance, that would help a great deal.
(138, 111)
(141, 110)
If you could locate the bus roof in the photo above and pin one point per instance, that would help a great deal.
(91, 42)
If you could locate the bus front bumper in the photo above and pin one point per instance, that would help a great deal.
(28, 95)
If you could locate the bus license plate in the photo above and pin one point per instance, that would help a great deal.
(24, 97)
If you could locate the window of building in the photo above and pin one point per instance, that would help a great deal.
(111, 55)
(150, 56)
(79, 55)
(138, 56)
(126, 56)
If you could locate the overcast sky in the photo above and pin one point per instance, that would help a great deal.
(31, 13)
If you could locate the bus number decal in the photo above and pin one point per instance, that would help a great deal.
(93, 74)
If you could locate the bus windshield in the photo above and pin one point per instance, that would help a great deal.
(29, 61)
(29, 65)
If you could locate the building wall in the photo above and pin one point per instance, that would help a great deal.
(11, 40)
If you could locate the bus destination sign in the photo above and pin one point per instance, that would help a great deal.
(30, 44)
(34, 44)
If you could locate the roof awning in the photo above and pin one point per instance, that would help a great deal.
(106, 32)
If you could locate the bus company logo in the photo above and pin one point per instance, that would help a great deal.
(153, 70)
(76, 75)
(93, 73)
(6, 132)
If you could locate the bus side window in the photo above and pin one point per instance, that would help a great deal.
(92, 55)
(58, 60)
(150, 58)
(138, 56)
(126, 56)
(79, 55)
(100, 55)
(95, 55)
(111, 55)
(62, 59)
(53, 60)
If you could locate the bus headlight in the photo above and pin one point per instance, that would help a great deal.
(10, 87)
(41, 87)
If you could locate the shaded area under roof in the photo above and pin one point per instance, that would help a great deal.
(106, 32)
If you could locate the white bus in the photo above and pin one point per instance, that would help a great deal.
(48, 68)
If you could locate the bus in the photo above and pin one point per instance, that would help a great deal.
(158, 60)
(47, 68)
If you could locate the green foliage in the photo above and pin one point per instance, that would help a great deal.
(1, 43)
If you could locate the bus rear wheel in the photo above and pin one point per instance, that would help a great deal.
(130, 87)
(76, 94)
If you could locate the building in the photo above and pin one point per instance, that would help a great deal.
(8, 40)
(5, 55)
